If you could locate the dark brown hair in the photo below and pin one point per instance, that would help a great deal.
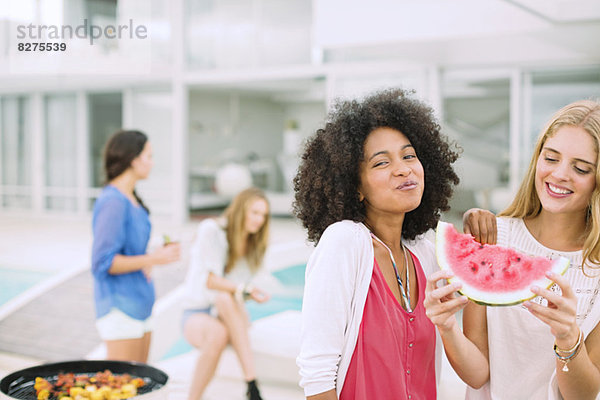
(327, 182)
(120, 150)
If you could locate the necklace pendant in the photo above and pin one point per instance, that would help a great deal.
(565, 368)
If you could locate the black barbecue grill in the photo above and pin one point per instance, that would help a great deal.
(19, 384)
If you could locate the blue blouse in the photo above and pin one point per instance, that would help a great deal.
(120, 227)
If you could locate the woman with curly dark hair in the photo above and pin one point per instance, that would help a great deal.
(370, 184)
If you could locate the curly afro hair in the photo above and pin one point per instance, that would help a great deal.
(326, 186)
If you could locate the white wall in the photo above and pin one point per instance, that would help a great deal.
(309, 115)
(151, 113)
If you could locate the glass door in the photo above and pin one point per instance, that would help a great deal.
(60, 152)
(16, 153)
(477, 115)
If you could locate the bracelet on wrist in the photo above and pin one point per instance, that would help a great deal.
(567, 355)
(239, 292)
(248, 291)
(572, 349)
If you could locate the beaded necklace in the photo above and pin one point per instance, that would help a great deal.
(405, 293)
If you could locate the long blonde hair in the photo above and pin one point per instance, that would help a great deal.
(256, 244)
(583, 114)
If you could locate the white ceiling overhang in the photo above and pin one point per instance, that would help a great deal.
(561, 11)
(350, 23)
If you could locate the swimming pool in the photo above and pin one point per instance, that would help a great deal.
(14, 282)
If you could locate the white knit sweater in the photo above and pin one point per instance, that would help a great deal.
(522, 362)
(338, 276)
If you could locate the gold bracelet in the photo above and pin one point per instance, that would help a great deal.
(572, 349)
(573, 352)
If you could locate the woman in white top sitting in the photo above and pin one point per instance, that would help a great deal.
(549, 347)
(225, 255)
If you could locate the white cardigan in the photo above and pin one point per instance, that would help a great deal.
(338, 276)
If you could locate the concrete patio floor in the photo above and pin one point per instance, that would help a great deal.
(63, 247)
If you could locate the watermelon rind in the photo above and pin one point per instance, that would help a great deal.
(559, 266)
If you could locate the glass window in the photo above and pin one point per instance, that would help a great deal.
(476, 108)
(61, 141)
(259, 127)
(16, 152)
(284, 32)
(16, 142)
(242, 34)
(101, 12)
(60, 150)
(552, 90)
(105, 118)
(58, 203)
(124, 49)
(16, 201)
(4, 40)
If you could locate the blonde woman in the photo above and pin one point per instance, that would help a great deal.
(549, 347)
(225, 255)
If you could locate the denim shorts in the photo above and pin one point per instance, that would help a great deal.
(189, 312)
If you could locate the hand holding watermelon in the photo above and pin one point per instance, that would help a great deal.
(561, 312)
(441, 303)
(481, 224)
(490, 274)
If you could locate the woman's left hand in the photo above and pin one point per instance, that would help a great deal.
(441, 303)
(259, 295)
(147, 271)
(481, 224)
(561, 312)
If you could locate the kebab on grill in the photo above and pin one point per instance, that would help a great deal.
(100, 386)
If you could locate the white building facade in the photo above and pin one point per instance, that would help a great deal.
(215, 82)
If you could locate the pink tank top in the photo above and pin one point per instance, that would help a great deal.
(394, 357)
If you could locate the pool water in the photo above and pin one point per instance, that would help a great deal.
(292, 278)
(13, 282)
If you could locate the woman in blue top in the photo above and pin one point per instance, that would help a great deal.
(123, 288)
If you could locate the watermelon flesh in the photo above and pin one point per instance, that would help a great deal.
(490, 274)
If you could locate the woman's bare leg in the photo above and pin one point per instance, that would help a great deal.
(125, 350)
(147, 338)
(233, 315)
(210, 336)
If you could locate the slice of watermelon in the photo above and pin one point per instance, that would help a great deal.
(490, 274)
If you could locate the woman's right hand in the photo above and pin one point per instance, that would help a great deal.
(167, 254)
(440, 303)
(481, 224)
(259, 295)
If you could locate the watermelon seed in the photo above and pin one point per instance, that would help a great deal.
(473, 266)
(518, 259)
(483, 263)
(481, 246)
